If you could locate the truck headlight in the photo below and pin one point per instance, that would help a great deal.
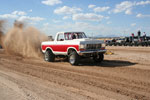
(103, 45)
(82, 47)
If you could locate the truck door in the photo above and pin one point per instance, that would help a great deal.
(60, 44)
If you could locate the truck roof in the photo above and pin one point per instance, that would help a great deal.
(70, 32)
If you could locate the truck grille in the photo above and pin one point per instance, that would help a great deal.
(93, 46)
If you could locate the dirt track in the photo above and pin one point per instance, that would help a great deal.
(122, 76)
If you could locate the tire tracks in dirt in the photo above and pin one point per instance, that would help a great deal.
(77, 78)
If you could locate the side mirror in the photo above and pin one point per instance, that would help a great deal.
(61, 39)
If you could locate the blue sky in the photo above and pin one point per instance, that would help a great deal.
(94, 17)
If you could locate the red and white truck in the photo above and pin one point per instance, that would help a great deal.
(75, 46)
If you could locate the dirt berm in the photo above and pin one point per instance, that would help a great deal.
(122, 76)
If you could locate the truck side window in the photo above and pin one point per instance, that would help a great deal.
(68, 36)
(60, 37)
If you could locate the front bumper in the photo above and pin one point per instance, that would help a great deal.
(93, 51)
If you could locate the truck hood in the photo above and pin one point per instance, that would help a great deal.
(88, 41)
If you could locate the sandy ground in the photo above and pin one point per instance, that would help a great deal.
(122, 76)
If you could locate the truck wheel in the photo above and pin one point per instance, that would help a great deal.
(49, 56)
(74, 58)
(99, 58)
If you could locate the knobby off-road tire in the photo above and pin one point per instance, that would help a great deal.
(73, 58)
(49, 56)
(99, 58)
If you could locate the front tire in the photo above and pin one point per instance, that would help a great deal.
(74, 58)
(99, 58)
(49, 56)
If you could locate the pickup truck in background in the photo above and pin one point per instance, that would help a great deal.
(75, 46)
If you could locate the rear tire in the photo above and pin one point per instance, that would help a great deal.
(99, 58)
(73, 58)
(49, 56)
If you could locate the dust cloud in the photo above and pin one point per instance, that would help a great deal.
(1, 30)
(23, 41)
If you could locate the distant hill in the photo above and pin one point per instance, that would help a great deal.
(107, 36)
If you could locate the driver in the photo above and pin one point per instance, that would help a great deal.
(73, 36)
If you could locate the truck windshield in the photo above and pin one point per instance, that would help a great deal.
(74, 35)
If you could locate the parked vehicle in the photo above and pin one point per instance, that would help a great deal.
(130, 41)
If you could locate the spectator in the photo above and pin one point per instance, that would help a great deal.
(139, 33)
(132, 37)
(144, 36)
